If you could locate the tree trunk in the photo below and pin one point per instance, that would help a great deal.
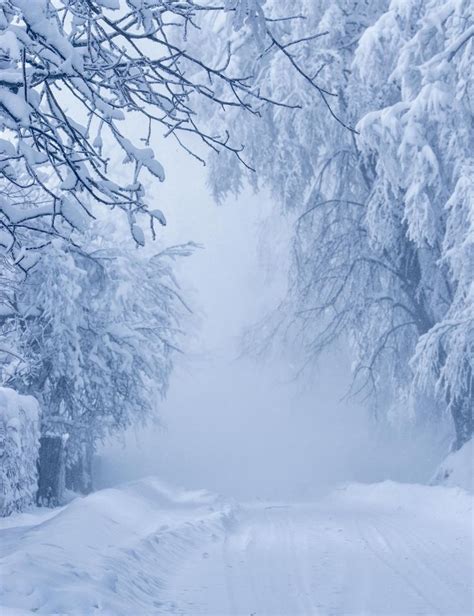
(462, 413)
(51, 470)
(79, 474)
(462, 410)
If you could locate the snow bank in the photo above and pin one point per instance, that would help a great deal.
(19, 446)
(451, 506)
(110, 552)
(458, 469)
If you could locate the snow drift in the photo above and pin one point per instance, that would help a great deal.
(108, 552)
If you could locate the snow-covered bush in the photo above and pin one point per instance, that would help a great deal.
(458, 469)
(19, 446)
(93, 333)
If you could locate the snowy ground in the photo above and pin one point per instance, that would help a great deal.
(145, 549)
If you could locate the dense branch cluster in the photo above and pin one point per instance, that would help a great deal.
(74, 70)
(384, 230)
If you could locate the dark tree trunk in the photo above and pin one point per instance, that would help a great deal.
(51, 471)
(79, 474)
(462, 410)
(462, 413)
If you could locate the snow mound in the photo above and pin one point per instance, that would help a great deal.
(451, 506)
(458, 469)
(19, 446)
(110, 552)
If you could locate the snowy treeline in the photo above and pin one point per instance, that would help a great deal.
(90, 324)
(356, 113)
(379, 177)
(19, 446)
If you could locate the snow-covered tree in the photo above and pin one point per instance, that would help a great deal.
(285, 147)
(421, 143)
(383, 205)
(19, 444)
(94, 333)
(74, 70)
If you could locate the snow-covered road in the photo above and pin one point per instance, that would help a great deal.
(375, 549)
(310, 559)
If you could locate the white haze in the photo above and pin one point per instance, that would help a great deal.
(238, 426)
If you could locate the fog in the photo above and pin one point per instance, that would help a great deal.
(230, 423)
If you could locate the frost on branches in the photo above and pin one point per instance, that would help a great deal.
(73, 71)
(19, 443)
(383, 197)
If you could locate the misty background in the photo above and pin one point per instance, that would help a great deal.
(236, 425)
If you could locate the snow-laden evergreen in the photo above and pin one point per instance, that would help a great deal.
(19, 445)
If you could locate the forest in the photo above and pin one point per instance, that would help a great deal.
(348, 126)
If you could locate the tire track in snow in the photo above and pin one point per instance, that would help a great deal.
(336, 560)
